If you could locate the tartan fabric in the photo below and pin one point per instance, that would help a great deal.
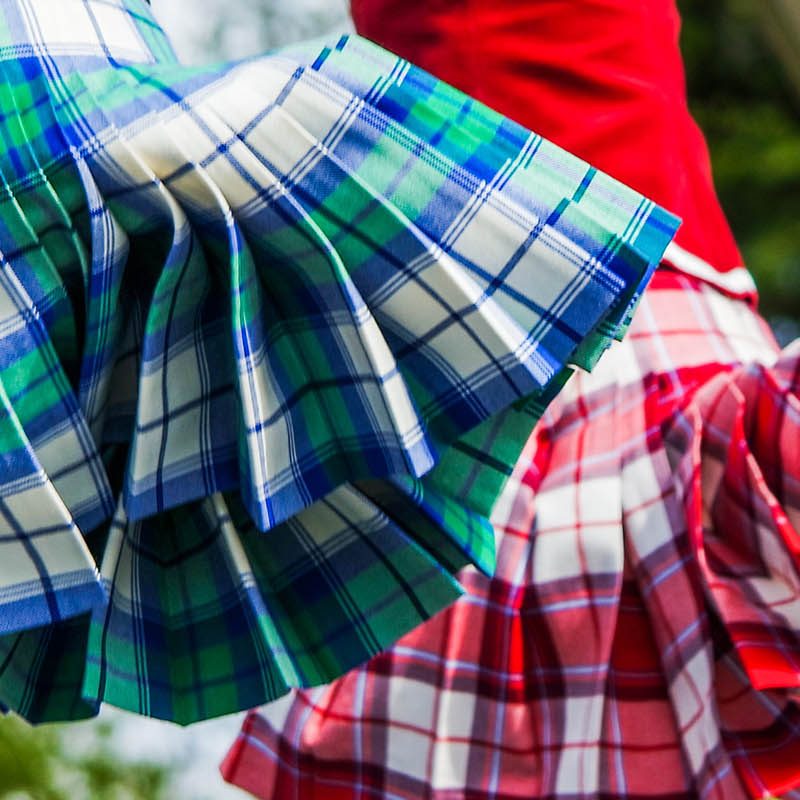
(272, 335)
(736, 452)
(597, 662)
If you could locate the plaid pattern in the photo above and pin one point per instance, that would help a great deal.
(595, 663)
(257, 352)
(735, 451)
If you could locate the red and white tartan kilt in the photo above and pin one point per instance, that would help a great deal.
(600, 661)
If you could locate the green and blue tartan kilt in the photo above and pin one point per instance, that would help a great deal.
(272, 335)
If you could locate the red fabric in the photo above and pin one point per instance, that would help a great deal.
(607, 657)
(602, 78)
(736, 455)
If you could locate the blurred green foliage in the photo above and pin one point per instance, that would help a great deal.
(744, 100)
(53, 763)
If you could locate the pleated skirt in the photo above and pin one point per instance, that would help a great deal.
(641, 636)
(272, 335)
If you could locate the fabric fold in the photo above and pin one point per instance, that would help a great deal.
(292, 320)
(593, 662)
(736, 453)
